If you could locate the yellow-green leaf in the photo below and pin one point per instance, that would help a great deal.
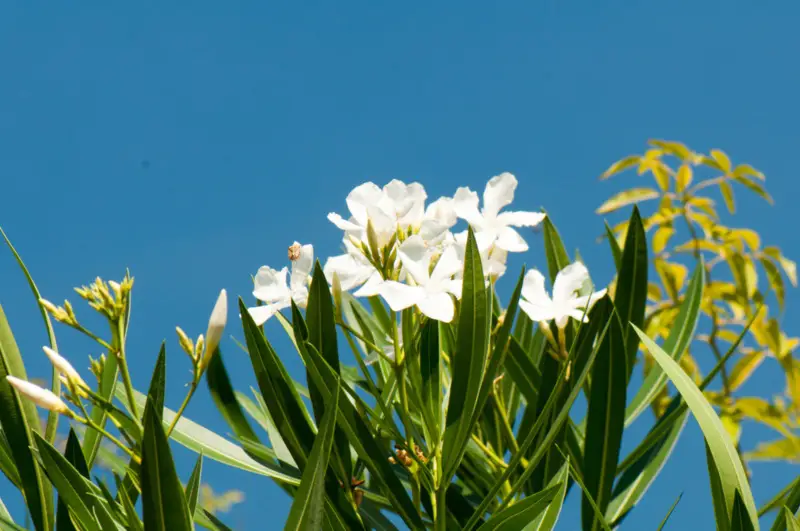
(754, 187)
(673, 148)
(743, 369)
(627, 197)
(661, 237)
(746, 169)
(684, 178)
(722, 159)
(620, 165)
(727, 194)
(779, 450)
(775, 280)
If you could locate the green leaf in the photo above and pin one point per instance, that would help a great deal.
(219, 385)
(361, 436)
(790, 522)
(77, 492)
(430, 370)
(726, 458)
(616, 252)
(134, 524)
(676, 343)
(630, 298)
(627, 197)
(321, 322)
(669, 513)
(192, 490)
(740, 519)
(74, 456)
(20, 421)
(309, 500)
(52, 416)
(163, 502)
(547, 520)
(158, 381)
(469, 361)
(213, 446)
(523, 372)
(636, 479)
(556, 254)
(789, 499)
(605, 420)
(516, 516)
(598, 515)
(621, 165)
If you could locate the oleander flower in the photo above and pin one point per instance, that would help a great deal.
(272, 288)
(566, 301)
(498, 194)
(216, 325)
(38, 395)
(432, 291)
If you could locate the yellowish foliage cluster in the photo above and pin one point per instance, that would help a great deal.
(745, 280)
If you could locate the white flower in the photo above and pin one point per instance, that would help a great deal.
(498, 194)
(432, 292)
(353, 270)
(39, 396)
(216, 325)
(272, 288)
(439, 217)
(565, 303)
(493, 259)
(64, 367)
(396, 205)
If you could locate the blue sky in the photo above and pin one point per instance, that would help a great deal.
(193, 143)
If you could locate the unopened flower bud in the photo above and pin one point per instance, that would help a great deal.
(41, 397)
(216, 325)
(116, 288)
(59, 314)
(183, 340)
(70, 311)
(64, 367)
(198, 348)
(96, 366)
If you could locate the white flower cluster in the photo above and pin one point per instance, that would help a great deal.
(406, 252)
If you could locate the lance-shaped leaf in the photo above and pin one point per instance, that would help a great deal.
(554, 250)
(740, 519)
(158, 381)
(20, 421)
(219, 385)
(468, 362)
(636, 479)
(547, 520)
(616, 252)
(74, 456)
(321, 323)
(789, 499)
(163, 502)
(726, 459)
(789, 521)
(675, 344)
(630, 297)
(604, 421)
(361, 437)
(106, 389)
(192, 491)
(430, 374)
(77, 492)
(309, 500)
(521, 513)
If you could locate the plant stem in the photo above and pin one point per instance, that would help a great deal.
(87, 421)
(123, 366)
(440, 509)
(181, 409)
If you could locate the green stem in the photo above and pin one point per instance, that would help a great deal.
(440, 509)
(87, 421)
(123, 369)
(181, 409)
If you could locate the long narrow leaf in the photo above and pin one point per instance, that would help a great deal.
(309, 500)
(521, 513)
(74, 456)
(726, 458)
(630, 297)
(675, 344)
(20, 421)
(193, 485)
(469, 361)
(163, 502)
(547, 520)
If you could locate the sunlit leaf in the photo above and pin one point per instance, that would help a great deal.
(627, 197)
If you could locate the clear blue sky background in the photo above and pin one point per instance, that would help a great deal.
(194, 143)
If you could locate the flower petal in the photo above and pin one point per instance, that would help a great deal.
(401, 296)
(415, 256)
(568, 281)
(438, 306)
(443, 211)
(499, 193)
(360, 198)
(536, 313)
(371, 287)
(533, 289)
(261, 314)
(350, 271)
(521, 219)
(346, 225)
(509, 240)
(270, 284)
(447, 266)
(465, 204)
(580, 302)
